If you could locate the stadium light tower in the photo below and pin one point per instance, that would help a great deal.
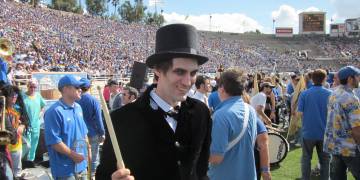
(156, 3)
(210, 22)
(273, 26)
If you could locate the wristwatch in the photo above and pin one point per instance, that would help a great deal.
(265, 169)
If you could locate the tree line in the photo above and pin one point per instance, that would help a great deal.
(127, 11)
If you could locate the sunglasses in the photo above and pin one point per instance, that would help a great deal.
(33, 87)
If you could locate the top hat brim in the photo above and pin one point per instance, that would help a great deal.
(157, 58)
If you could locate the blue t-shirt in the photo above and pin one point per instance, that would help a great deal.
(228, 122)
(289, 88)
(214, 100)
(260, 126)
(92, 116)
(3, 71)
(309, 84)
(65, 124)
(276, 92)
(313, 104)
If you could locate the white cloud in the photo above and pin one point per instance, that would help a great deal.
(345, 9)
(228, 22)
(285, 16)
(313, 9)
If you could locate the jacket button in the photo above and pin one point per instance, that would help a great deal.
(177, 144)
(179, 163)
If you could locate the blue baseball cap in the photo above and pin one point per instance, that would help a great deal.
(68, 80)
(330, 77)
(85, 83)
(347, 71)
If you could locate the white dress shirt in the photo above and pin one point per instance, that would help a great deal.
(201, 97)
(159, 102)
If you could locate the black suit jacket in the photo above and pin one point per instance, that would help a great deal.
(151, 149)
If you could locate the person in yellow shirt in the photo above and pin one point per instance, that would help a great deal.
(18, 118)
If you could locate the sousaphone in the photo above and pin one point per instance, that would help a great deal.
(6, 48)
(5, 135)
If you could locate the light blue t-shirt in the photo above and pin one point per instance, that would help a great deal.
(33, 105)
(65, 124)
(214, 100)
(313, 104)
(260, 126)
(228, 122)
(289, 88)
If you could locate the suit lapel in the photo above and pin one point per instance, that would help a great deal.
(158, 123)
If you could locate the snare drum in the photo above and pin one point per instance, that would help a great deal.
(38, 173)
(278, 148)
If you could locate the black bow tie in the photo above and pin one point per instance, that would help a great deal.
(174, 113)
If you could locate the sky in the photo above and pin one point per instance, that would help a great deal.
(248, 15)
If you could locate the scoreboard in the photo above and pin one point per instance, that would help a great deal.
(284, 32)
(312, 23)
(352, 27)
(337, 30)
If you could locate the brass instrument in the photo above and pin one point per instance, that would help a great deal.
(6, 48)
(4, 134)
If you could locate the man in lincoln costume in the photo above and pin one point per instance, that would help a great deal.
(164, 134)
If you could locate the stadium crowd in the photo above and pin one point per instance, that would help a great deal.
(49, 40)
(174, 137)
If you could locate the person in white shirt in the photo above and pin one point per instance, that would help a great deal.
(203, 87)
(259, 100)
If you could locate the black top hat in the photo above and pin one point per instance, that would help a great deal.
(175, 40)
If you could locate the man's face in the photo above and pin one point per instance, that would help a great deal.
(126, 97)
(113, 88)
(206, 86)
(73, 93)
(267, 89)
(356, 81)
(11, 100)
(296, 80)
(336, 80)
(177, 81)
(32, 88)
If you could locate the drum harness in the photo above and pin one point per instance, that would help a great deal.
(246, 122)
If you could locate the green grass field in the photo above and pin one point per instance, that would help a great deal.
(290, 168)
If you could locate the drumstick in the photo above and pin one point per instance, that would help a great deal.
(89, 164)
(275, 129)
(110, 128)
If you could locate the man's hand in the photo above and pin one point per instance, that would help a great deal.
(21, 129)
(266, 175)
(268, 121)
(272, 115)
(77, 158)
(122, 174)
(101, 139)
